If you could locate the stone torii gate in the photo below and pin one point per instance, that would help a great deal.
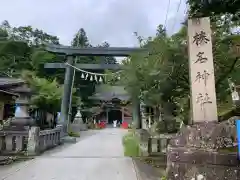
(70, 53)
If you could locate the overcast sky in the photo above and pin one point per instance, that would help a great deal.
(113, 21)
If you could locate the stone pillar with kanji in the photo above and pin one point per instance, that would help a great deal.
(194, 152)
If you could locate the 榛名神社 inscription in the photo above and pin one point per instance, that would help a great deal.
(203, 94)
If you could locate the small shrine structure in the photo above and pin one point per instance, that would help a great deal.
(114, 104)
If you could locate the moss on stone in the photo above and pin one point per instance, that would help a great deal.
(131, 145)
(229, 149)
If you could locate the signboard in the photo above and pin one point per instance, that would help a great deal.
(235, 96)
(203, 95)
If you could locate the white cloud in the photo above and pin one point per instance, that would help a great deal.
(104, 20)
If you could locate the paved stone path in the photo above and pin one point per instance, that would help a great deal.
(96, 157)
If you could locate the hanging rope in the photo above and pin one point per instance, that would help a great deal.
(93, 76)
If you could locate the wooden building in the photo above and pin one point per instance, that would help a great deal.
(113, 103)
(8, 96)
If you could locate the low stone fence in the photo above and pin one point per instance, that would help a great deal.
(13, 142)
(30, 142)
(153, 145)
(49, 138)
(158, 145)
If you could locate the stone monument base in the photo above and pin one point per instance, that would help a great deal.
(201, 152)
(83, 127)
(22, 121)
(20, 124)
(68, 139)
(78, 127)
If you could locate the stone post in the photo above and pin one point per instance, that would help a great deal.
(107, 111)
(33, 141)
(66, 94)
(202, 79)
(194, 152)
(149, 121)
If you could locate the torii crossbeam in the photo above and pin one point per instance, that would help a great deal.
(70, 53)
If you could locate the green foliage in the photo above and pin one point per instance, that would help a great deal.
(200, 8)
(86, 88)
(74, 134)
(33, 37)
(21, 48)
(47, 94)
(161, 75)
(163, 178)
(131, 145)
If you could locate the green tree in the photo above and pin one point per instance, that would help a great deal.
(81, 39)
(14, 56)
(47, 94)
(85, 87)
(161, 76)
(20, 49)
(201, 8)
(105, 59)
(34, 37)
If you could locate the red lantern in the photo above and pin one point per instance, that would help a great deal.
(102, 124)
(125, 125)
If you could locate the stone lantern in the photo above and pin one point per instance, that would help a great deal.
(234, 92)
(22, 119)
(235, 97)
(78, 124)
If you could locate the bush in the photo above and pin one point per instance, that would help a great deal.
(131, 145)
(74, 134)
(163, 178)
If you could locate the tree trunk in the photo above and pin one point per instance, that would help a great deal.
(136, 113)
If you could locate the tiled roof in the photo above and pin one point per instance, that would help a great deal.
(8, 93)
(13, 85)
(21, 89)
(107, 93)
(4, 82)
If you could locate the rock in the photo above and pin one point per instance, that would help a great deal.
(194, 152)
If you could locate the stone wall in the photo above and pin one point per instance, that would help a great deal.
(39, 141)
(190, 164)
(29, 142)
